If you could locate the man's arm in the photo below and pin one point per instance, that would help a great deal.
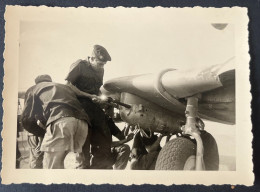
(74, 72)
(31, 108)
(80, 93)
(155, 145)
(116, 132)
(121, 142)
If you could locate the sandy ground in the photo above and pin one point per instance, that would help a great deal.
(224, 135)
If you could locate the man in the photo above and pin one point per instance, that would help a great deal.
(120, 151)
(87, 76)
(35, 155)
(18, 153)
(145, 151)
(56, 107)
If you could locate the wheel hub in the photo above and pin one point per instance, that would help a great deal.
(190, 163)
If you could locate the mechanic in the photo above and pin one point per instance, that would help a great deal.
(145, 151)
(87, 75)
(66, 121)
(35, 155)
(120, 151)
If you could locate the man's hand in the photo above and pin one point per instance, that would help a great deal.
(39, 123)
(156, 144)
(96, 99)
(100, 100)
(130, 137)
(38, 147)
(161, 135)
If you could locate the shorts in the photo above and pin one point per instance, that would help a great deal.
(65, 134)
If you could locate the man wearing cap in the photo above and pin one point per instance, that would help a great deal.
(87, 75)
(56, 107)
(34, 142)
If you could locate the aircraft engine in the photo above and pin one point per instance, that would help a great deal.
(149, 116)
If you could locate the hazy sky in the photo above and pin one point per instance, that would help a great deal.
(138, 40)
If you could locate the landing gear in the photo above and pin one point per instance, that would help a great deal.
(175, 154)
(190, 128)
(183, 153)
(211, 155)
(180, 154)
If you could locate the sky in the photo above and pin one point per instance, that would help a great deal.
(139, 41)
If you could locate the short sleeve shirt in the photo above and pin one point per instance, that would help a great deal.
(85, 78)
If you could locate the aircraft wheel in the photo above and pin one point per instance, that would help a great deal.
(175, 154)
(180, 154)
(211, 155)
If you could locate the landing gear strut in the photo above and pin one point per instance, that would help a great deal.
(190, 128)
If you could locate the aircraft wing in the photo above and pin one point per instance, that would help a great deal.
(169, 88)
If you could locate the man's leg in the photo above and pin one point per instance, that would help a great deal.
(123, 152)
(86, 152)
(100, 138)
(68, 134)
(145, 161)
(18, 156)
(54, 160)
(35, 158)
(81, 144)
(101, 157)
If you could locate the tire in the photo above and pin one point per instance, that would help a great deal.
(175, 153)
(180, 154)
(211, 155)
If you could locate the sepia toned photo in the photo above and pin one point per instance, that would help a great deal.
(126, 96)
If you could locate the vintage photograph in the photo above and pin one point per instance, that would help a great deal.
(119, 91)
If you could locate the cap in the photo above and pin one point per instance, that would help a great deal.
(43, 78)
(101, 53)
